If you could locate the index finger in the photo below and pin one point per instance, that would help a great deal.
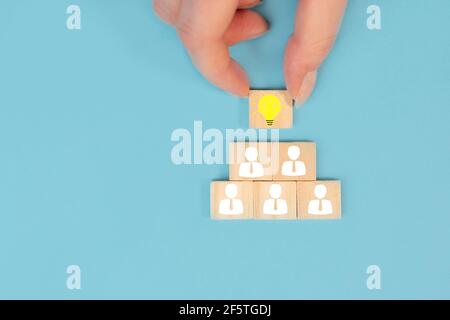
(201, 26)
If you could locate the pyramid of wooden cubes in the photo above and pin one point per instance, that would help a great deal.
(274, 180)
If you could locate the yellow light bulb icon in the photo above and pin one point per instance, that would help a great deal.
(269, 106)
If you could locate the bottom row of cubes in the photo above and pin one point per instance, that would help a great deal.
(319, 199)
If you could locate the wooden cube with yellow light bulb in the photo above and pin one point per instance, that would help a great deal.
(270, 109)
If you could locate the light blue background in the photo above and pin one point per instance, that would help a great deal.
(86, 176)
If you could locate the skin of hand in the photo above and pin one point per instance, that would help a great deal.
(208, 28)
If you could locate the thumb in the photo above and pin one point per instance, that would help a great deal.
(317, 24)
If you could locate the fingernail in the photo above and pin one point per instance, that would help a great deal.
(259, 34)
(309, 81)
(252, 5)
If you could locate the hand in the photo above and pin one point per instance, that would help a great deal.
(208, 27)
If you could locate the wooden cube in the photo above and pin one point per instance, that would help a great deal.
(319, 199)
(294, 160)
(270, 109)
(274, 200)
(231, 200)
(250, 161)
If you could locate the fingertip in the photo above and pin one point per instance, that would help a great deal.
(238, 83)
(299, 74)
(233, 79)
(293, 69)
(306, 88)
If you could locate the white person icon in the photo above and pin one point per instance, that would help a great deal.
(293, 167)
(320, 206)
(251, 168)
(230, 205)
(275, 205)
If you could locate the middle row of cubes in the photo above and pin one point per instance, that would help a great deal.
(272, 161)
